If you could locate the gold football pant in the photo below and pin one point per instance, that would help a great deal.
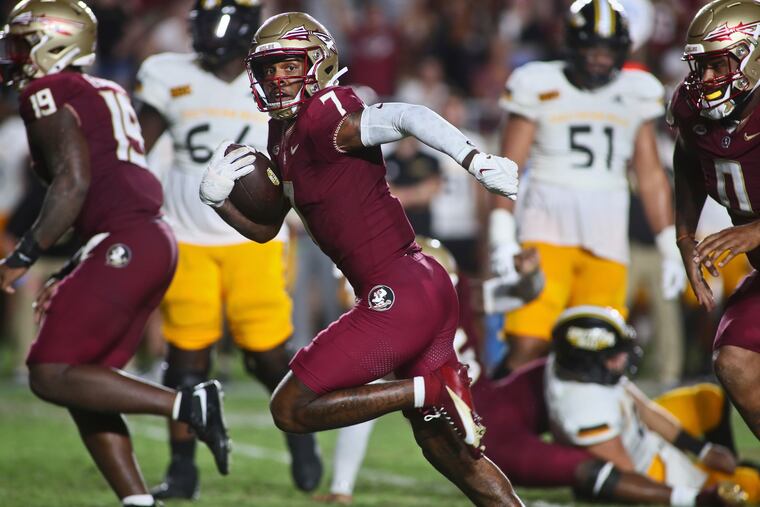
(574, 276)
(245, 282)
(699, 409)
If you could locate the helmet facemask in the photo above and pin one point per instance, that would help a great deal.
(283, 105)
(14, 59)
(718, 96)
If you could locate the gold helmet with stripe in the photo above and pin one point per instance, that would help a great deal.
(591, 24)
(722, 52)
(44, 37)
(293, 35)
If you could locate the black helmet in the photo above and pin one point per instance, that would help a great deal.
(223, 29)
(596, 23)
(584, 337)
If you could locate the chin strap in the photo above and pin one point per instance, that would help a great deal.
(334, 80)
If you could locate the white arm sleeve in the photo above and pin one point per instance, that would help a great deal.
(392, 121)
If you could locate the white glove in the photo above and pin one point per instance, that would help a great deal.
(673, 272)
(222, 172)
(497, 174)
(502, 235)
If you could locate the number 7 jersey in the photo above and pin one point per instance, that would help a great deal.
(122, 191)
(577, 194)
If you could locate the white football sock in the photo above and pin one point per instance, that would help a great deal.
(350, 448)
(419, 392)
(138, 500)
(177, 403)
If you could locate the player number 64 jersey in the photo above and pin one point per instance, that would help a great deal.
(201, 111)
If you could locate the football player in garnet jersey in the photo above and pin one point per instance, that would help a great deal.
(717, 154)
(581, 121)
(86, 144)
(325, 145)
(218, 270)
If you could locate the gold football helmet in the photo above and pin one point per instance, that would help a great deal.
(44, 37)
(722, 51)
(292, 35)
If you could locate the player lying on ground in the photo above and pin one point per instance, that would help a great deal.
(86, 145)
(325, 145)
(592, 405)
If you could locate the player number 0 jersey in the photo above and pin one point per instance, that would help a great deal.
(201, 111)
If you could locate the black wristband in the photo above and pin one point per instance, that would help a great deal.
(26, 253)
(687, 442)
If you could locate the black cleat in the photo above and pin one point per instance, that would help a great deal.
(306, 463)
(207, 421)
(181, 481)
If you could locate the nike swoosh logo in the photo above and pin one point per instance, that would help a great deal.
(293, 149)
(486, 169)
(751, 137)
(201, 394)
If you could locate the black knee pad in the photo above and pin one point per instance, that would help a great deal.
(595, 480)
(268, 367)
(177, 377)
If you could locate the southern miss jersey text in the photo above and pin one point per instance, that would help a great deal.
(122, 192)
(201, 111)
(729, 160)
(342, 198)
(577, 193)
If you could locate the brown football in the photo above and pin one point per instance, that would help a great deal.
(258, 195)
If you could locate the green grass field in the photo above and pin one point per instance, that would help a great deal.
(43, 463)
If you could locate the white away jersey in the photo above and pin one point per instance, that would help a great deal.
(583, 142)
(201, 111)
(583, 414)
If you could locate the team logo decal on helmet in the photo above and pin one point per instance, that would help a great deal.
(724, 32)
(381, 298)
(118, 255)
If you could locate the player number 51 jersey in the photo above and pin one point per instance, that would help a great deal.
(577, 191)
(584, 138)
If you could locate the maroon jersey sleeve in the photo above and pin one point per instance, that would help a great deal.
(121, 191)
(325, 114)
(44, 97)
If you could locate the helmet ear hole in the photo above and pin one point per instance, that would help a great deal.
(329, 69)
(57, 50)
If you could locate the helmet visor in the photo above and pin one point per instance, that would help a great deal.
(14, 54)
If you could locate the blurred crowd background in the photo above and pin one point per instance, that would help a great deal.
(453, 56)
